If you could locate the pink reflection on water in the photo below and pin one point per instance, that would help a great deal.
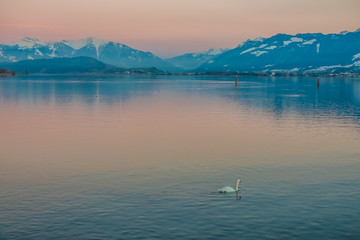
(162, 131)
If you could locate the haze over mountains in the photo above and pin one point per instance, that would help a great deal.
(301, 53)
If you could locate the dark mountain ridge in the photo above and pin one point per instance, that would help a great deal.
(74, 65)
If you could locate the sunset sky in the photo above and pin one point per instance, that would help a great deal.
(171, 27)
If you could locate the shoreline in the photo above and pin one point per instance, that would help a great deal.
(212, 74)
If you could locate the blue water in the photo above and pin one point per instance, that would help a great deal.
(143, 157)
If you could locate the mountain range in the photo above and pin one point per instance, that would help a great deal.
(292, 53)
(300, 53)
(113, 53)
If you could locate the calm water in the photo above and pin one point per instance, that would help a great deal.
(142, 158)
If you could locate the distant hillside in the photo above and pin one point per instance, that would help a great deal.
(191, 61)
(76, 65)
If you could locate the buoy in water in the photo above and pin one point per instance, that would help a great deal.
(318, 82)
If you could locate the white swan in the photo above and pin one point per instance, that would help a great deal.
(230, 189)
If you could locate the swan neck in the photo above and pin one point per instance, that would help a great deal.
(237, 185)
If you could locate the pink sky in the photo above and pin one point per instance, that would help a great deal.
(171, 27)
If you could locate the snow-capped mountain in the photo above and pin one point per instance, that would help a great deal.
(291, 53)
(308, 52)
(190, 61)
(108, 52)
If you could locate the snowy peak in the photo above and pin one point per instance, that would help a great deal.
(86, 42)
(259, 39)
(343, 32)
(97, 42)
(346, 32)
(27, 42)
(191, 61)
(77, 44)
(215, 51)
(29, 39)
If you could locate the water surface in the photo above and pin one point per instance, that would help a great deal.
(143, 157)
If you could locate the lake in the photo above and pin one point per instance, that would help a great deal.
(139, 157)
